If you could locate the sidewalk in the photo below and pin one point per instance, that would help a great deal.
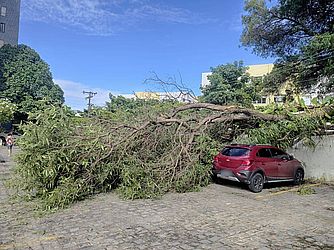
(4, 158)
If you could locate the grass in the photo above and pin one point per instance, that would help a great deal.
(305, 190)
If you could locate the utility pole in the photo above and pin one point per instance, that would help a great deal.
(89, 98)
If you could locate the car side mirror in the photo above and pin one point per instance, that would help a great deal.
(291, 157)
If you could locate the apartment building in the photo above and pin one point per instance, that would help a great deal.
(9, 21)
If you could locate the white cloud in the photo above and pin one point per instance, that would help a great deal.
(235, 23)
(74, 97)
(104, 17)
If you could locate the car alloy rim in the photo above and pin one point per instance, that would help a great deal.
(258, 183)
(298, 176)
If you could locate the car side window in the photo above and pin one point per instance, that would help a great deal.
(276, 153)
(264, 152)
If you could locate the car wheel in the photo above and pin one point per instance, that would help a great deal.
(214, 178)
(299, 177)
(256, 183)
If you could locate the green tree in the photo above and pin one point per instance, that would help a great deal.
(7, 110)
(120, 102)
(229, 84)
(297, 32)
(25, 79)
(132, 106)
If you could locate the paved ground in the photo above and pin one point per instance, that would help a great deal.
(218, 217)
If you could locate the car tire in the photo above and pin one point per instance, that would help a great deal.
(299, 177)
(215, 178)
(256, 183)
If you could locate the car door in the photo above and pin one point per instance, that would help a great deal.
(265, 161)
(283, 162)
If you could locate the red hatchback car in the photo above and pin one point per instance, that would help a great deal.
(256, 165)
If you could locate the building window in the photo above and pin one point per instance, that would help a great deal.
(2, 27)
(3, 11)
(279, 99)
(261, 100)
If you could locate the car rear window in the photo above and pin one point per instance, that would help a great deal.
(235, 151)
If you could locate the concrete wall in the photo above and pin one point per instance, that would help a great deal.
(259, 70)
(318, 162)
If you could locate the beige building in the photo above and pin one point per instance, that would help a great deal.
(260, 70)
(147, 95)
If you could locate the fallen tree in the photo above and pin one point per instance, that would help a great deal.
(64, 158)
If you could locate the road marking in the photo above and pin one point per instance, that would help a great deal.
(261, 197)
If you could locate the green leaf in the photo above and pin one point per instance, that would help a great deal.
(315, 101)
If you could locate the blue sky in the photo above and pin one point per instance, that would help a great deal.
(114, 45)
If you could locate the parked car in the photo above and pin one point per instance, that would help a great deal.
(256, 165)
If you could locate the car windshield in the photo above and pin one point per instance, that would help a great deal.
(235, 151)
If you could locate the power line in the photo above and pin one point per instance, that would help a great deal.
(325, 57)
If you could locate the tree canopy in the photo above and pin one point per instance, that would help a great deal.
(126, 104)
(7, 110)
(229, 85)
(299, 33)
(25, 79)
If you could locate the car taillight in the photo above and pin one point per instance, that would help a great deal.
(246, 162)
